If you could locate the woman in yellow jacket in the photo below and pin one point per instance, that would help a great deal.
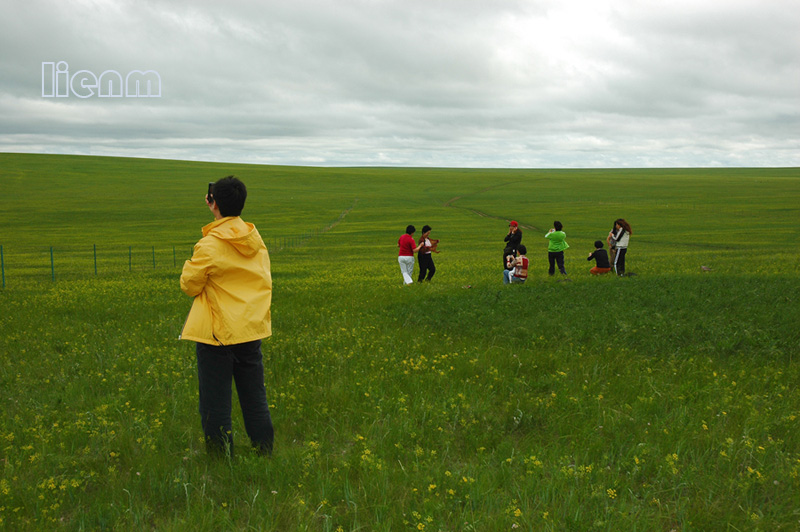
(229, 278)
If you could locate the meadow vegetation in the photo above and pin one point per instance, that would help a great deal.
(660, 402)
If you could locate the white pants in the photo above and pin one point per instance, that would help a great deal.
(407, 268)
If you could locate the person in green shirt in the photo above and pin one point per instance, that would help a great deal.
(556, 247)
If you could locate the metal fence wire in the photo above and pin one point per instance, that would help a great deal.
(67, 261)
(81, 261)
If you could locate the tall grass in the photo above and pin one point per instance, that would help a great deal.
(664, 401)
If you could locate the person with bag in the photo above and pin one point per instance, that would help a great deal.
(426, 266)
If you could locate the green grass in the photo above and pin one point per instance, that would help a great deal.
(665, 401)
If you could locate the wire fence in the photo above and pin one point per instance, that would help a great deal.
(71, 261)
(92, 260)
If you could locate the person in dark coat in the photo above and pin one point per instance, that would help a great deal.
(513, 240)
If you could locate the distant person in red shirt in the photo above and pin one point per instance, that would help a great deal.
(408, 246)
(517, 267)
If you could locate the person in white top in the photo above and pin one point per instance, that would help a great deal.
(620, 236)
(427, 245)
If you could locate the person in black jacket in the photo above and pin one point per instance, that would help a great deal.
(513, 240)
(599, 255)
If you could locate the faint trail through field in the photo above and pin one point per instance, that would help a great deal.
(291, 242)
(341, 217)
(451, 203)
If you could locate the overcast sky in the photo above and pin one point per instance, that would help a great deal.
(461, 83)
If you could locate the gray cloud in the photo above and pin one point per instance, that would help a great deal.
(451, 83)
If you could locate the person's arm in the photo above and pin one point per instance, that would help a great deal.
(196, 270)
(591, 255)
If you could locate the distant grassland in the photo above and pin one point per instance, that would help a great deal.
(665, 401)
(719, 216)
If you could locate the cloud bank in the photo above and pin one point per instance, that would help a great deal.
(547, 84)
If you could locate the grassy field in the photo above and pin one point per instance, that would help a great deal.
(660, 402)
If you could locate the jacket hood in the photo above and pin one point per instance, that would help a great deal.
(243, 236)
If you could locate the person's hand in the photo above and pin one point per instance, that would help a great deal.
(551, 231)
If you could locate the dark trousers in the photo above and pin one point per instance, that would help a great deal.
(425, 265)
(217, 366)
(619, 261)
(556, 257)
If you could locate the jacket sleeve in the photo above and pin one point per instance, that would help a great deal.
(196, 270)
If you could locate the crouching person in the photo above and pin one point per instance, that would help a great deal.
(599, 255)
(229, 278)
(517, 271)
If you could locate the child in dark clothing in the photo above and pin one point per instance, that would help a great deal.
(602, 265)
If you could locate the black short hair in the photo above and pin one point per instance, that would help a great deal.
(521, 249)
(598, 244)
(557, 225)
(410, 230)
(426, 228)
(229, 195)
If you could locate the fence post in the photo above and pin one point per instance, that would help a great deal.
(2, 266)
(52, 264)
(95, 258)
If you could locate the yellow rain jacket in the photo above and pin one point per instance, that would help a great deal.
(229, 278)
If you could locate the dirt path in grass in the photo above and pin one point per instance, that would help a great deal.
(341, 217)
